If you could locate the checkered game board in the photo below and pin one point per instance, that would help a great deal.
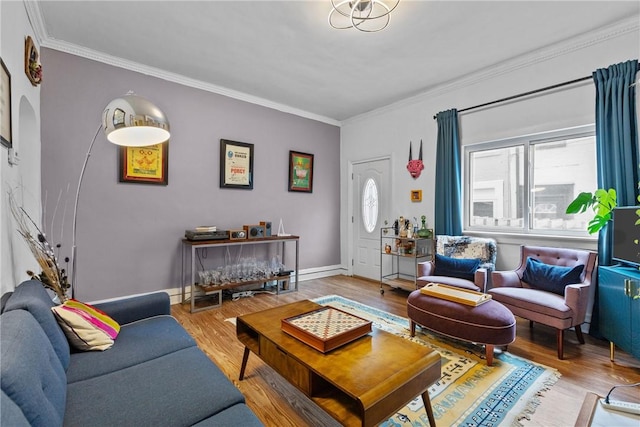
(327, 322)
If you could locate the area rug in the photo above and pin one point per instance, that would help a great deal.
(469, 393)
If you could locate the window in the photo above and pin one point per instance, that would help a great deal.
(525, 184)
(370, 205)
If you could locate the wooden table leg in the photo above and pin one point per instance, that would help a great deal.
(245, 358)
(427, 406)
(489, 354)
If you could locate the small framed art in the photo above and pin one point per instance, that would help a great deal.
(300, 172)
(145, 165)
(236, 164)
(5, 106)
(416, 195)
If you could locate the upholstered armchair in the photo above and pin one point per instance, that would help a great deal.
(461, 261)
(550, 286)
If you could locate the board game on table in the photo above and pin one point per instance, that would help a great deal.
(326, 328)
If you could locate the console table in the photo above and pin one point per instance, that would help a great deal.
(188, 274)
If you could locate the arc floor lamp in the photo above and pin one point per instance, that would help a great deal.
(130, 121)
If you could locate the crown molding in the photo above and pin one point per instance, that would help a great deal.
(35, 17)
(602, 34)
(34, 14)
(180, 79)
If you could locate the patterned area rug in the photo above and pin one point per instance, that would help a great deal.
(470, 393)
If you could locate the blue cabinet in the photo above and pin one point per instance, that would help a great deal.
(619, 310)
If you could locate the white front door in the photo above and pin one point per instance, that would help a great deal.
(371, 192)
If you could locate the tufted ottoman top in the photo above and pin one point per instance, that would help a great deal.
(488, 323)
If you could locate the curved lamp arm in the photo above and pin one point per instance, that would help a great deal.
(75, 214)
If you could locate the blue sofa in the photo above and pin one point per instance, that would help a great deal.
(154, 375)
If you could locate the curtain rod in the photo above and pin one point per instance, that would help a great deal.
(520, 95)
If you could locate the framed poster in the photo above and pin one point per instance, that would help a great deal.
(5, 106)
(145, 165)
(236, 164)
(300, 172)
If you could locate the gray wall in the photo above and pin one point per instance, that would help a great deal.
(129, 235)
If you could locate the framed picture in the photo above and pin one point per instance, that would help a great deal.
(300, 172)
(236, 164)
(416, 195)
(145, 165)
(5, 106)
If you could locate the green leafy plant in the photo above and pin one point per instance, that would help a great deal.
(602, 202)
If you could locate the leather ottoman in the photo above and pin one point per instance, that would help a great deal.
(490, 323)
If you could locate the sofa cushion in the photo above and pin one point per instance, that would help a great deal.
(533, 300)
(3, 300)
(10, 413)
(137, 342)
(128, 397)
(462, 268)
(32, 297)
(130, 309)
(32, 375)
(550, 278)
(86, 327)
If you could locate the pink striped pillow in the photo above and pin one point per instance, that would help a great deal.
(86, 327)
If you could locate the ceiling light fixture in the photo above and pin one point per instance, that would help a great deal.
(368, 16)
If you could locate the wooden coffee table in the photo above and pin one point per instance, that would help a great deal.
(361, 383)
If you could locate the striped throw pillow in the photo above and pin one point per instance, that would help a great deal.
(86, 327)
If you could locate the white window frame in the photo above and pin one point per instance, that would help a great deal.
(526, 142)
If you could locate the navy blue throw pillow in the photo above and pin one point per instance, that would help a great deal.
(462, 268)
(551, 278)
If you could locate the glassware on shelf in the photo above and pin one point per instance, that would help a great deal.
(245, 270)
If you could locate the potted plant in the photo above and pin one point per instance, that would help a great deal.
(602, 202)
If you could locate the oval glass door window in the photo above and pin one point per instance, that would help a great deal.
(370, 205)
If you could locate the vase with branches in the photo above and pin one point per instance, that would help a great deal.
(53, 275)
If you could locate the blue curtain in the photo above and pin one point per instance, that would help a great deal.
(616, 140)
(448, 194)
(616, 150)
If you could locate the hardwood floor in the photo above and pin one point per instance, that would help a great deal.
(586, 368)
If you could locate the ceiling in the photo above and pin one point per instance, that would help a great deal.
(285, 55)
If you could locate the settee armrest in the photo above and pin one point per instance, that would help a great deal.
(576, 297)
(508, 279)
(426, 268)
(131, 309)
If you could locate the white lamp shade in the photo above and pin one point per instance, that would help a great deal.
(133, 121)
